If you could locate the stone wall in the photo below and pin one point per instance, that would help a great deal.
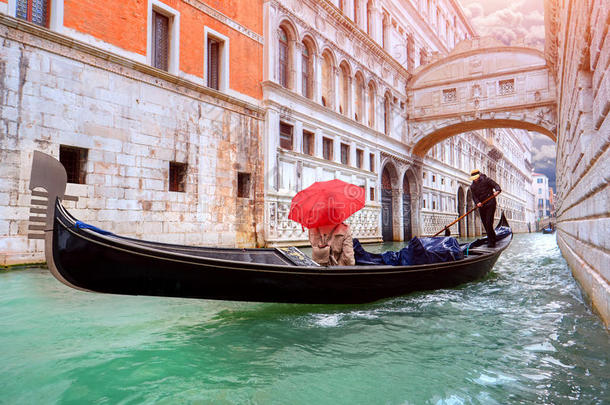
(582, 55)
(133, 120)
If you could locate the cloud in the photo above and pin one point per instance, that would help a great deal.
(512, 23)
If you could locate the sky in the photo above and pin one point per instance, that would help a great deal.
(516, 22)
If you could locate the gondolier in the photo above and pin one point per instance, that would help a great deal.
(482, 188)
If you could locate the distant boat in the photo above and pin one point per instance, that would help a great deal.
(548, 230)
(87, 258)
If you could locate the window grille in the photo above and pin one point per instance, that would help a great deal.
(449, 95)
(213, 63)
(177, 176)
(160, 41)
(35, 11)
(507, 86)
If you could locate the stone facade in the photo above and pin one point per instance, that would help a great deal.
(348, 80)
(578, 48)
(133, 120)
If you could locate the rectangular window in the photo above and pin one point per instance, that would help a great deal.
(160, 41)
(506, 86)
(372, 193)
(74, 161)
(213, 63)
(372, 161)
(450, 95)
(285, 136)
(539, 191)
(308, 143)
(243, 185)
(539, 181)
(345, 153)
(327, 148)
(35, 11)
(433, 178)
(177, 176)
(359, 158)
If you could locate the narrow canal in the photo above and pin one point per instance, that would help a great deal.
(523, 335)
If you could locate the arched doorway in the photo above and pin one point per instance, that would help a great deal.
(387, 229)
(406, 208)
(460, 208)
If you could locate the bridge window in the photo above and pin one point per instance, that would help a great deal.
(449, 95)
(506, 87)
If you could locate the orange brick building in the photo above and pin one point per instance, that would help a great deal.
(153, 106)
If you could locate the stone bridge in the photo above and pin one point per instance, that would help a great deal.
(481, 84)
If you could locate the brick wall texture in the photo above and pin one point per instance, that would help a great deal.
(583, 152)
(133, 124)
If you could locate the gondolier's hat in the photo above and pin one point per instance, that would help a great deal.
(475, 174)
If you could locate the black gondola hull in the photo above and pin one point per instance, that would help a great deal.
(103, 264)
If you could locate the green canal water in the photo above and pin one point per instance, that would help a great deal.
(523, 335)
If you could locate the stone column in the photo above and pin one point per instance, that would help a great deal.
(296, 78)
(272, 129)
(335, 90)
(317, 78)
(375, 22)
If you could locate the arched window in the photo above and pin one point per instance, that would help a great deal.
(307, 71)
(386, 114)
(359, 101)
(371, 100)
(327, 80)
(283, 58)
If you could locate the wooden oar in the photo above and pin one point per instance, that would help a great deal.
(457, 220)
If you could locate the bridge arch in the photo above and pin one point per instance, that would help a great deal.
(480, 84)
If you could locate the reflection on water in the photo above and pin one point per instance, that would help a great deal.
(522, 336)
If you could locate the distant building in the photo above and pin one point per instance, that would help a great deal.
(540, 187)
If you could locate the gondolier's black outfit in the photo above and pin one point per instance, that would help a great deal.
(483, 188)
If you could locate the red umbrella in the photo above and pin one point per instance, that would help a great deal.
(326, 203)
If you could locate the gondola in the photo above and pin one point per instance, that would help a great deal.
(86, 258)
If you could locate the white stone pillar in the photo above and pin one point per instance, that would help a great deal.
(337, 149)
(272, 130)
(317, 80)
(297, 134)
(297, 69)
(376, 24)
(336, 90)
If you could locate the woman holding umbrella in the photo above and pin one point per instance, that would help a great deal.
(332, 245)
(322, 208)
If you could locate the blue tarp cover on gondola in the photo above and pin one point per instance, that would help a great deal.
(418, 251)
